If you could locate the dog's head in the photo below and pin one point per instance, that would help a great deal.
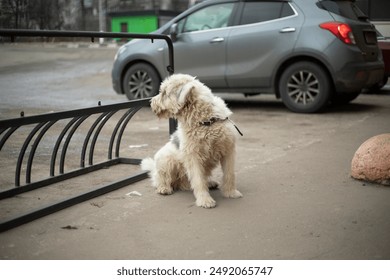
(175, 93)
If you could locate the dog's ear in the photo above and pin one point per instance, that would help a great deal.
(185, 93)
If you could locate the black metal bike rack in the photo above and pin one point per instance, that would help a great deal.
(41, 124)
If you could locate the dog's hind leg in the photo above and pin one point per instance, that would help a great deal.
(182, 183)
(212, 185)
(163, 186)
(165, 176)
(228, 182)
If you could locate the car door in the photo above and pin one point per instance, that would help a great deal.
(201, 44)
(266, 32)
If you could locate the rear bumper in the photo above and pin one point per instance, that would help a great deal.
(355, 77)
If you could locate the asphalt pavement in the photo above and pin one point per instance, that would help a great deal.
(293, 170)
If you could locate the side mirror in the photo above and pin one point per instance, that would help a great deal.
(173, 32)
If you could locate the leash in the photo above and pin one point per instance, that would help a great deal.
(214, 120)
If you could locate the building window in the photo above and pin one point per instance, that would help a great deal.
(376, 10)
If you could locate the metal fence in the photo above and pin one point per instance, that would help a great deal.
(96, 119)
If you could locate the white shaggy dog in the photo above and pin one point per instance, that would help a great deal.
(204, 138)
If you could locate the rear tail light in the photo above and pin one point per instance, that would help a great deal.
(341, 30)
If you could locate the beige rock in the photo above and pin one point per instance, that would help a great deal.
(371, 161)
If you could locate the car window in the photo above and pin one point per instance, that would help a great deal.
(211, 17)
(345, 9)
(264, 11)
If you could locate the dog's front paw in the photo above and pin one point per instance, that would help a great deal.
(206, 201)
(232, 194)
(164, 190)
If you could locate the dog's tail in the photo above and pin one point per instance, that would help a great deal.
(148, 164)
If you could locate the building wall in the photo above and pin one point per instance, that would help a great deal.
(135, 24)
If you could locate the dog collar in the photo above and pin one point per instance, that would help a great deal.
(212, 120)
(215, 119)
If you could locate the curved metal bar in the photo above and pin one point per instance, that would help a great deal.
(7, 135)
(128, 118)
(67, 141)
(57, 145)
(73, 113)
(86, 141)
(34, 148)
(56, 33)
(23, 151)
(115, 131)
(96, 135)
(70, 201)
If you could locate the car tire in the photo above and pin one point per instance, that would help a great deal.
(141, 81)
(305, 87)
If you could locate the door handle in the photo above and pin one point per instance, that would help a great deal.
(287, 30)
(217, 40)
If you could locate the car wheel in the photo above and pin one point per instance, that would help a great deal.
(305, 87)
(141, 81)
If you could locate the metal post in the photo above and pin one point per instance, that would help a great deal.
(102, 20)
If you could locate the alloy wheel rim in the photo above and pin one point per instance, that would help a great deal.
(303, 87)
(140, 84)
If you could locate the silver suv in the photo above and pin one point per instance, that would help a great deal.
(308, 53)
